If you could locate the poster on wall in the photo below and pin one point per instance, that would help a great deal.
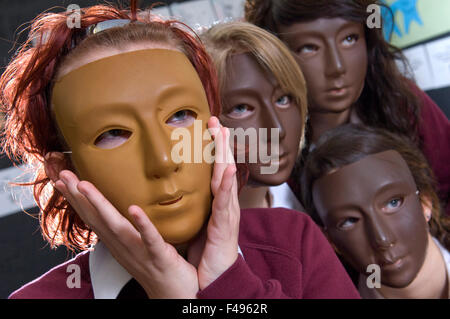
(196, 13)
(416, 20)
(229, 9)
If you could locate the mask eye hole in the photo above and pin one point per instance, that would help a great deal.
(241, 111)
(284, 101)
(347, 223)
(182, 118)
(112, 138)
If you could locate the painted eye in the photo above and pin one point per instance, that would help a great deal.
(307, 49)
(240, 111)
(284, 101)
(393, 205)
(182, 118)
(350, 40)
(347, 223)
(112, 138)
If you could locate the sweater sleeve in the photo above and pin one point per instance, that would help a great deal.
(239, 282)
(434, 133)
(313, 265)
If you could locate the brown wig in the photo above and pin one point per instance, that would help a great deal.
(387, 100)
(334, 150)
(30, 131)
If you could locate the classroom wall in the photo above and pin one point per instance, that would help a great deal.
(422, 29)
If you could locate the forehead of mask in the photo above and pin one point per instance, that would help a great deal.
(332, 54)
(142, 93)
(373, 215)
(253, 99)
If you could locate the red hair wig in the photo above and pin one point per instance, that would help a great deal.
(30, 131)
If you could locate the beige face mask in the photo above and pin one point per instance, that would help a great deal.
(117, 115)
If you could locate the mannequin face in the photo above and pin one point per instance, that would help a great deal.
(253, 99)
(332, 54)
(373, 215)
(117, 114)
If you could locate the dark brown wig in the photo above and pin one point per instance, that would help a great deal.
(388, 100)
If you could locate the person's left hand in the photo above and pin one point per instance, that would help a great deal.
(220, 250)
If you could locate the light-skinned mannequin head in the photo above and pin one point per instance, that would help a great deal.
(375, 199)
(261, 88)
(104, 105)
(345, 60)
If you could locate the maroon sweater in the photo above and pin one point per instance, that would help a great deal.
(285, 255)
(434, 134)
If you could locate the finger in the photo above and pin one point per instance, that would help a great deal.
(105, 211)
(70, 180)
(213, 126)
(220, 163)
(67, 185)
(222, 199)
(152, 239)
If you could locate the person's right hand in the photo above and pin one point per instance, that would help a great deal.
(141, 250)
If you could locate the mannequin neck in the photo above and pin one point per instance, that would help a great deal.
(430, 283)
(325, 121)
(254, 197)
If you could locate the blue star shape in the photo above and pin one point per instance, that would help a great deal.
(389, 22)
(409, 10)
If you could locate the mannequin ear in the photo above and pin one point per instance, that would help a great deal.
(427, 207)
(54, 162)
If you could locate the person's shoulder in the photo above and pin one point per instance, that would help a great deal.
(283, 228)
(69, 280)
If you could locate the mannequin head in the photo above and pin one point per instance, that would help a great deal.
(262, 88)
(87, 107)
(345, 62)
(374, 197)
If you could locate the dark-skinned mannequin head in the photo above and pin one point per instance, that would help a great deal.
(261, 88)
(46, 77)
(345, 62)
(374, 196)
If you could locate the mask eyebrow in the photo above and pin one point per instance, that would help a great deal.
(174, 91)
(395, 185)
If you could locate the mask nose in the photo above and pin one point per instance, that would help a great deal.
(157, 149)
(335, 66)
(381, 235)
(271, 120)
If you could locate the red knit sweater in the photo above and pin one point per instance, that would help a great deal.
(285, 255)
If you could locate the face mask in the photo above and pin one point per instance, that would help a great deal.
(373, 215)
(253, 100)
(117, 115)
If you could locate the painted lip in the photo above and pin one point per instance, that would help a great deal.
(170, 199)
(338, 91)
(394, 264)
(170, 202)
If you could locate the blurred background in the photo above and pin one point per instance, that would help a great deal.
(420, 27)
